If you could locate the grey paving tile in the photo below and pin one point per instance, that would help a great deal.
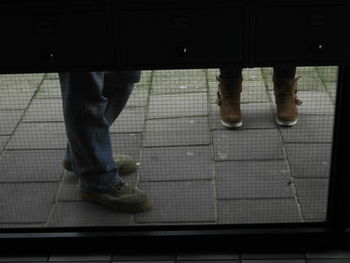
(26, 203)
(178, 81)
(85, 214)
(207, 256)
(20, 82)
(39, 136)
(183, 201)
(338, 260)
(130, 120)
(310, 129)
(176, 163)
(272, 255)
(44, 110)
(147, 261)
(309, 160)
(209, 261)
(86, 257)
(69, 191)
(15, 101)
(176, 132)
(42, 257)
(254, 116)
(332, 91)
(118, 257)
(178, 105)
(50, 88)
(313, 195)
(252, 179)
(139, 96)
(31, 166)
(329, 254)
(51, 76)
(258, 211)
(127, 143)
(3, 141)
(9, 121)
(243, 144)
(327, 73)
(274, 261)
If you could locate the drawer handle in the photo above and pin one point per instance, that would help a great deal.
(181, 51)
(318, 48)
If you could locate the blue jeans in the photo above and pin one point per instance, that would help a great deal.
(91, 103)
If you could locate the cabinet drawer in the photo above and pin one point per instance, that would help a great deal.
(302, 34)
(173, 37)
(38, 40)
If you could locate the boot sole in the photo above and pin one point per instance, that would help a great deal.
(286, 123)
(231, 125)
(130, 208)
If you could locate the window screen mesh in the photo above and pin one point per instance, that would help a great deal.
(195, 170)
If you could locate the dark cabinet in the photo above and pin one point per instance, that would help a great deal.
(302, 34)
(53, 40)
(175, 37)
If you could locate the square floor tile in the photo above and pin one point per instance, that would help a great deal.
(9, 120)
(309, 160)
(39, 136)
(3, 142)
(45, 110)
(178, 105)
(79, 257)
(183, 201)
(263, 144)
(131, 120)
(127, 144)
(258, 211)
(84, 214)
(207, 256)
(31, 166)
(176, 132)
(178, 81)
(49, 89)
(26, 203)
(252, 179)
(176, 163)
(314, 128)
(313, 196)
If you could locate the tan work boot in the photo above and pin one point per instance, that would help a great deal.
(286, 101)
(229, 100)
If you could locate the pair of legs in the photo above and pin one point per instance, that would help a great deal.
(230, 88)
(91, 103)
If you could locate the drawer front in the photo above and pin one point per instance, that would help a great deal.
(53, 40)
(174, 37)
(302, 34)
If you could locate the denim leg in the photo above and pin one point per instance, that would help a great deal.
(87, 129)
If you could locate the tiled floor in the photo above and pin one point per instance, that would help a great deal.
(195, 170)
(326, 256)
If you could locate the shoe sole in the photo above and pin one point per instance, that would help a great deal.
(286, 123)
(231, 125)
(130, 208)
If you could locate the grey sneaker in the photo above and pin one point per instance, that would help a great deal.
(123, 198)
(125, 164)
